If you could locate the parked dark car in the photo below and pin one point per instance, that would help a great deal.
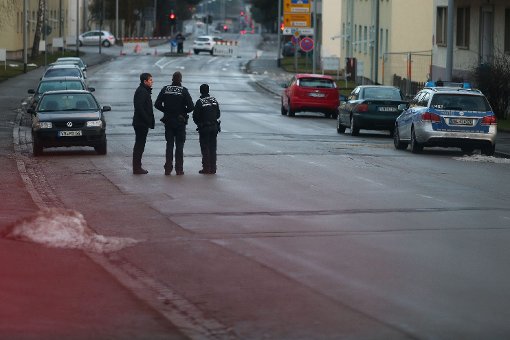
(55, 84)
(370, 107)
(289, 48)
(68, 118)
(310, 92)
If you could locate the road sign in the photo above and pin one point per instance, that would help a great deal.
(293, 30)
(306, 44)
(296, 20)
(296, 6)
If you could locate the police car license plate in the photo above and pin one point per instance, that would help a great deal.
(70, 133)
(461, 121)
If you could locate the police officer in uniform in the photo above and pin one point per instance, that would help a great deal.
(205, 116)
(143, 120)
(175, 102)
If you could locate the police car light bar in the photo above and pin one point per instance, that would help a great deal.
(447, 84)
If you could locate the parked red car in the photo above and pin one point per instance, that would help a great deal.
(311, 92)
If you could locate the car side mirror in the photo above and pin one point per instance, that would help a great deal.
(284, 85)
(403, 106)
(31, 91)
(31, 111)
(91, 89)
(106, 108)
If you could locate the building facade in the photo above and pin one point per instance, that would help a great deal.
(481, 30)
(61, 22)
(387, 38)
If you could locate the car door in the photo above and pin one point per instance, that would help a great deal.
(406, 121)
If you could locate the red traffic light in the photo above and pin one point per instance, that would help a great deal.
(171, 16)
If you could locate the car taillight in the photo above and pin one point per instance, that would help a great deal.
(362, 108)
(489, 120)
(430, 117)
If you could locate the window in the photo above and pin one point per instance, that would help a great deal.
(365, 39)
(507, 30)
(441, 24)
(463, 27)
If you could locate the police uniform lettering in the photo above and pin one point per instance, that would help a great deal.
(208, 101)
(173, 90)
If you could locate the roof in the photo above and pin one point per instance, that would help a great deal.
(313, 75)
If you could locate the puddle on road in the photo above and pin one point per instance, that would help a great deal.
(64, 228)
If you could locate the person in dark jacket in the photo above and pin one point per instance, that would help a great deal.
(175, 102)
(180, 42)
(205, 116)
(143, 120)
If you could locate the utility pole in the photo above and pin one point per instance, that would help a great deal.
(315, 37)
(77, 28)
(25, 35)
(449, 41)
(279, 33)
(376, 41)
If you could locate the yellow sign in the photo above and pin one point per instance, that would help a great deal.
(296, 20)
(296, 6)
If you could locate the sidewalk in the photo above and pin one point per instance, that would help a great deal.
(49, 293)
(271, 77)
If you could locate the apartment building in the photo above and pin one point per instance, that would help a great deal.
(481, 30)
(387, 38)
(61, 22)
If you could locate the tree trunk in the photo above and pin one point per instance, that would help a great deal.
(38, 28)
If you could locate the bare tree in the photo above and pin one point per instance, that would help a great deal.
(38, 28)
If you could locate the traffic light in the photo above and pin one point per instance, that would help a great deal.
(282, 26)
(172, 18)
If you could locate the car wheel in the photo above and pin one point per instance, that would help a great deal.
(80, 43)
(37, 148)
(468, 150)
(354, 127)
(334, 115)
(292, 113)
(211, 52)
(399, 145)
(196, 51)
(106, 43)
(415, 146)
(339, 127)
(101, 149)
(328, 115)
(489, 150)
(284, 111)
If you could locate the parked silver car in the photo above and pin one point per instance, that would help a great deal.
(92, 38)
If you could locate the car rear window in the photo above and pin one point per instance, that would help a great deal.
(62, 72)
(315, 82)
(460, 102)
(202, 39)
(60, 85)
(382, 93)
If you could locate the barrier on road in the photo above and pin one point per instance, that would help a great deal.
(225, 48)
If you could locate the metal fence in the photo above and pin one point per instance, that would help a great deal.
(407, 70)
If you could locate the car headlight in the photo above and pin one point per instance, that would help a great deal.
(45, 125)
(94, 123)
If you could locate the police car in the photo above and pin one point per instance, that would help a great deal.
(452, 115)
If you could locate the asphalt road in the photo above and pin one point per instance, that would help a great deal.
(303, 233)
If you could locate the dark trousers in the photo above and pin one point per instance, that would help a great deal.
(177, 136)
(208, 143)
(180, 48)
(140, 139)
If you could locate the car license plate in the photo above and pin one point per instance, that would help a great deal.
(461, 121)
(69, 133)
(317, 95)
(387, 109)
